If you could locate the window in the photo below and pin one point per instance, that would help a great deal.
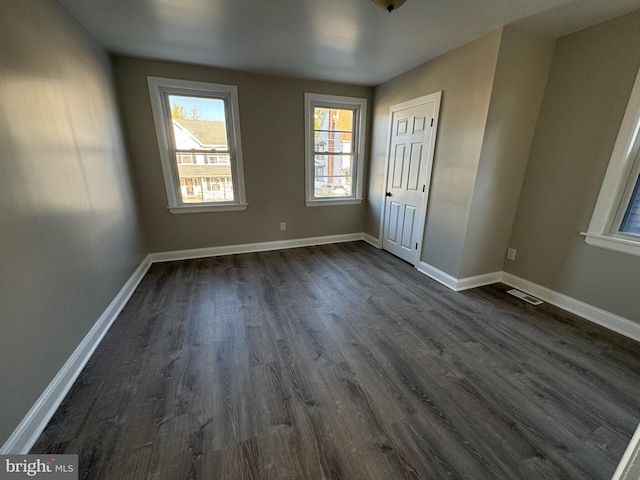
(615, 223)
(198, 131)
(334, 143)
(630, 222)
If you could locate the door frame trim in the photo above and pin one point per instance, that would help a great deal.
(432, 97)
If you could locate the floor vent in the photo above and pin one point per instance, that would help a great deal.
(525, 297)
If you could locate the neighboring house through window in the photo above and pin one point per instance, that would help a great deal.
(334, 143)
(615, 223)
(198, 131)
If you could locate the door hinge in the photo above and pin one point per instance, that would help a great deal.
(432, 122)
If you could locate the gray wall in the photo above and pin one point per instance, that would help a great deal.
(465, 75)
(69, 235)
(520, 78)
(272, 126)
(589, 86)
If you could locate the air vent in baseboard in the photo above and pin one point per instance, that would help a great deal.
(525, 297)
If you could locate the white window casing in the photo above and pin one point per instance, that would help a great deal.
(617, 186)
(159, 90)
(357, 145)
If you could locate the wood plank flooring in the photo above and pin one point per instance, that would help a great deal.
(343, 362)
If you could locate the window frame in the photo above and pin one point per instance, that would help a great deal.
(159, 90)
(632, 185)
(613, 199)
(359, 106)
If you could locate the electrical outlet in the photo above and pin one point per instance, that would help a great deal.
(283, 226)
(511, 254)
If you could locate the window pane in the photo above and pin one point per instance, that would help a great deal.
(333, 174)
(333, 130)
(631, 220)
(205, 182)
(333, 119)
(201, 189)
(198, 122)
(332, 141)
(218, 189)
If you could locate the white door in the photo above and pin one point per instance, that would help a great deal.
(413, 126)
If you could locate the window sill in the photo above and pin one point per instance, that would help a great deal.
(208, 208)
(610, 242)
(333, 203)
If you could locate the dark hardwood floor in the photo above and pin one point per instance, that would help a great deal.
(343, 362)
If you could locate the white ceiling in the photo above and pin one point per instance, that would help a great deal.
(338, 40)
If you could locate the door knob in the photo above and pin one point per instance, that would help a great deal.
(388, 194)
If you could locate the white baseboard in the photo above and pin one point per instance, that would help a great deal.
(606, 319)
(252, 247)
(458, 284)
(629, 466)
(33, 424)
(597, 315)
(438, 275)
(479, 280)
(371, 240)
(35, 421)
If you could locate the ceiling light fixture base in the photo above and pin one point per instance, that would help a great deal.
(389, 5)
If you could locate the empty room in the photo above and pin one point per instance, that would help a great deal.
(335, 239)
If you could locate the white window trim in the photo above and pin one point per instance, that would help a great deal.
(158, 87)
(311, 100)
(605, 221)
